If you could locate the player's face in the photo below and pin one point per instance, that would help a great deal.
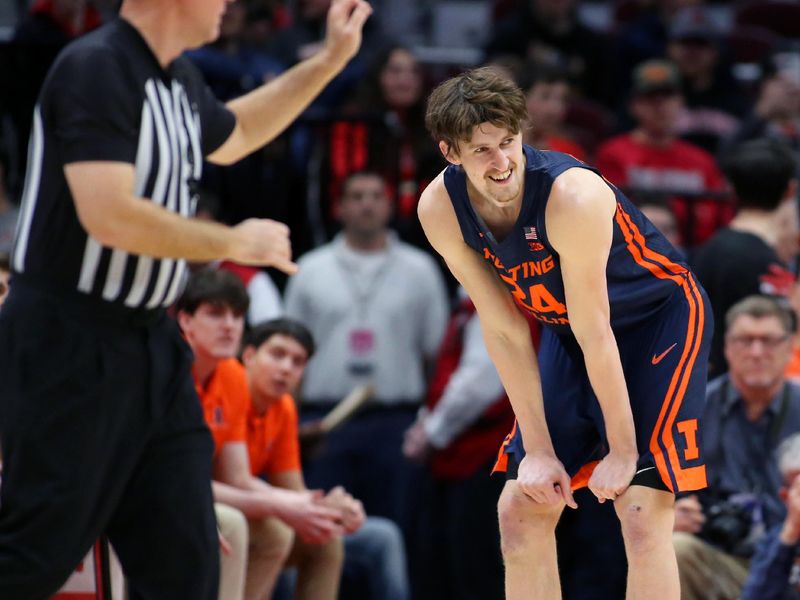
(758, 350)
(493, 162)
(214, 330)
(276, 366)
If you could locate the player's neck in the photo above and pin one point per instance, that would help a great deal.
(366, 243)
(157, 27)
(498, 218)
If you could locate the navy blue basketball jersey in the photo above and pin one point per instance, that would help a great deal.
(643, 269)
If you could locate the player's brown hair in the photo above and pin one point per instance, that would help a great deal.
(482, 95)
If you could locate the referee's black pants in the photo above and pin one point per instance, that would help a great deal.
(101, 434)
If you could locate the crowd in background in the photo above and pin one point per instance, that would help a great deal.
(691, 108)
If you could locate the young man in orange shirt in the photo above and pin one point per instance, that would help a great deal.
(211, 314)
(253, 419)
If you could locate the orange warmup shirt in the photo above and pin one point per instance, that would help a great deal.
(225, 400)
(272, 439)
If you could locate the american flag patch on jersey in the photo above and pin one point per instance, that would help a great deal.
(530, 233)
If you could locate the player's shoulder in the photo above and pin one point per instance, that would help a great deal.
(435, 208)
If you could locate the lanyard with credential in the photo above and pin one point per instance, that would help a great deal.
(363, 295)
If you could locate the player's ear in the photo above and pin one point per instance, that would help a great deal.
(450, 155)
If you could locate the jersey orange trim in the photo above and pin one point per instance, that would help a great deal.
(581, 478)
(662, 443)
(501, 464)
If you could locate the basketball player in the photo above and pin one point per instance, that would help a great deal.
(613, 399)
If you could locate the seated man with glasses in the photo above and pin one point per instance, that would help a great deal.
(749, 412)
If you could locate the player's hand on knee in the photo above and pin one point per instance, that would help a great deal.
(542, 478)
(263, 242)
(612, 476)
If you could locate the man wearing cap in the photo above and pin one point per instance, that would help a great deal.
(651, 159)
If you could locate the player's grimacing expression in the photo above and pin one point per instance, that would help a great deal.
(276, 366)
(493, 162)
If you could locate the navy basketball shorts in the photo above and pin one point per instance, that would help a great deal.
(665, 362)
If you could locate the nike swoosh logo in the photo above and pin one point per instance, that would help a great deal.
(657, 359)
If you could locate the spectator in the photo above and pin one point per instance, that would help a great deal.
(651, 159)
(5, 271)
(211, 315)
(378, 307)
(714, 101)
(777, 108)
(547, 96)
(743, 258)
(750, 411)
(458, 432)
(383, 131)
(305, 36)
(230, 65)
(773, 570)
(275, 354)
(548, 33)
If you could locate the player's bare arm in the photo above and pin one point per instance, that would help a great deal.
(265, 112)
(579, 218)
(508, 341)
(112, 214)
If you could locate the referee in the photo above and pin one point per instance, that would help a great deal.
(101, 429)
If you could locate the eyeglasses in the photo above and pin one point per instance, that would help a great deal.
(769, 342)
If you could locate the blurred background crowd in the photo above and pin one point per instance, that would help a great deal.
(691, 107)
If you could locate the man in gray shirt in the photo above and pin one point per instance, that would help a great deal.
(749, 411)
(378, 309)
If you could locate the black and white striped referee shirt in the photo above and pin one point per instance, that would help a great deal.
(106, 98)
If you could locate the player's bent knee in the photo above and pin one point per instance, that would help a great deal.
(646, 517)
(523, 522)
